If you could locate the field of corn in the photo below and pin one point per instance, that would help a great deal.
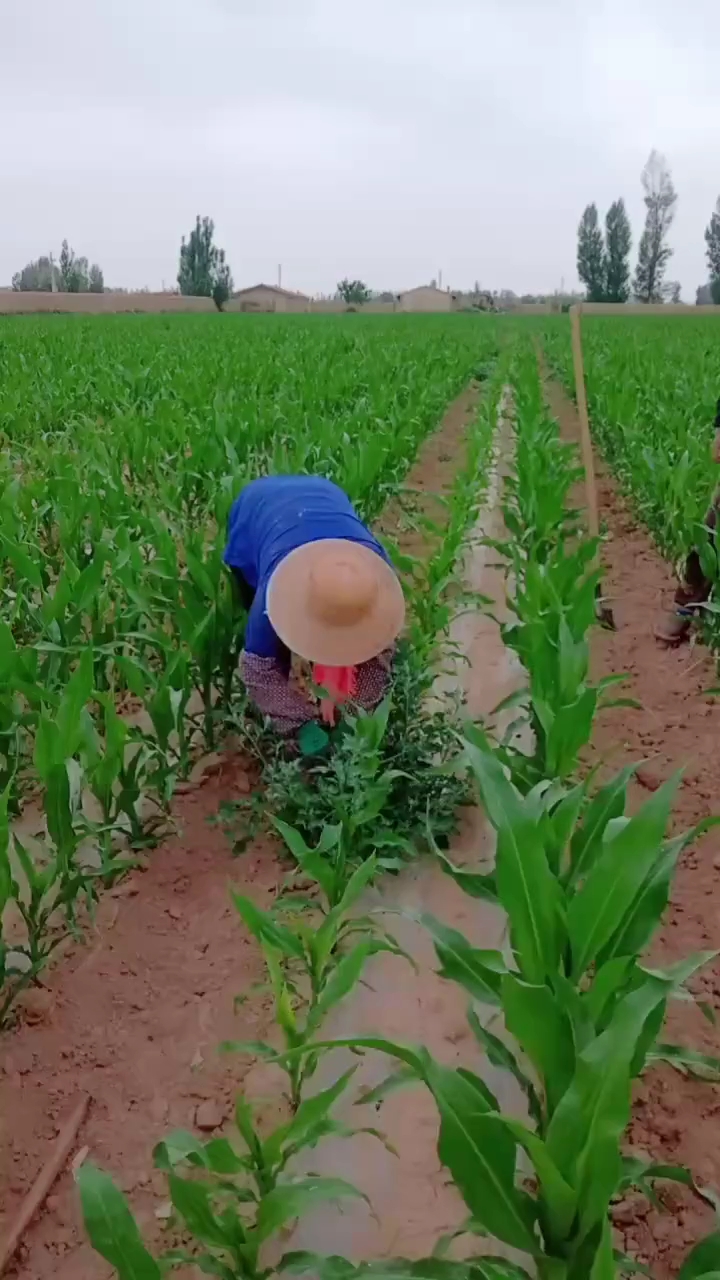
(124, 446)
(125, 442)
(653, 386)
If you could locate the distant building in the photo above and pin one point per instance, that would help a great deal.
(268, 297)
(478, 300)
(427, 297)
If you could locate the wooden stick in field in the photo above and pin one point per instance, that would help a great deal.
(602, 608)
(53, 1166)
(585, 441)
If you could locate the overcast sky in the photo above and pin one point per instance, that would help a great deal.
(385, 139)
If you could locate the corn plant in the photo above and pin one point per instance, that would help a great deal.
(124, 447)
(52, 881)
(433, 590)
(230, 1199)
(569, 1009)
(554, 582)
(232, 1202)
(652, 387)
(314, 957)
(375, 784)
(578, 1017)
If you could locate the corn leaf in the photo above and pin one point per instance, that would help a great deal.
(583, 1136)
(291, 1200)
(615, 880)
(703, 1262)
(534, 1016)
(479, 971)
(526, 886)
(609, 802)
(111, 1227)
(434, 1268)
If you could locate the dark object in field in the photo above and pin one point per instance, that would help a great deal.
(603, 610)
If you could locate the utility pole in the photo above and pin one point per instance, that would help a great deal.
(440, 278)
(52, 274)
(279, 275)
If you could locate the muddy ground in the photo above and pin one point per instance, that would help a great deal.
(133, 1016)
(677, 726)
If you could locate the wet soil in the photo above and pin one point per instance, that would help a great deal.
(414, 1202)
(133, 1015)
(676, 726)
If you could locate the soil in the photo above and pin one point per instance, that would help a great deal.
(676, 726)
(431, 478)
(133, 1016)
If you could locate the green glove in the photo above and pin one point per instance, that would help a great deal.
(312, 740)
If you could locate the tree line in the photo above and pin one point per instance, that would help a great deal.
(603, 261)
(203, 269)
(70, 274)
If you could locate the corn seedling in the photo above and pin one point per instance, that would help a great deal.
(229, 1199)
(314, 958)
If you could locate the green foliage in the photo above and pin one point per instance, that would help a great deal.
(223, 287)
(618, 241)
(712, 252)
(203, 271)
(71, 275)
(111, 571)
(41, 276)
(235, 1196)
(314, 959)
(229, 1197)
(583, 882)
(353, 291)
(652, 389)
(591, 262)
(384, 774)
(654, 252)
(74, 271)
(554, 586)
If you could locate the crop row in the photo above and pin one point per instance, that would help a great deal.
(652, 386)
(570, 1010)
(125, 443)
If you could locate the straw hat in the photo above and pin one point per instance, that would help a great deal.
(335, 602)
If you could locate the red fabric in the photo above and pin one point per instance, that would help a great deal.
(267, 684)
(341, 684)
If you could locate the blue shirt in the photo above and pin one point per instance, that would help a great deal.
(270, 518)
